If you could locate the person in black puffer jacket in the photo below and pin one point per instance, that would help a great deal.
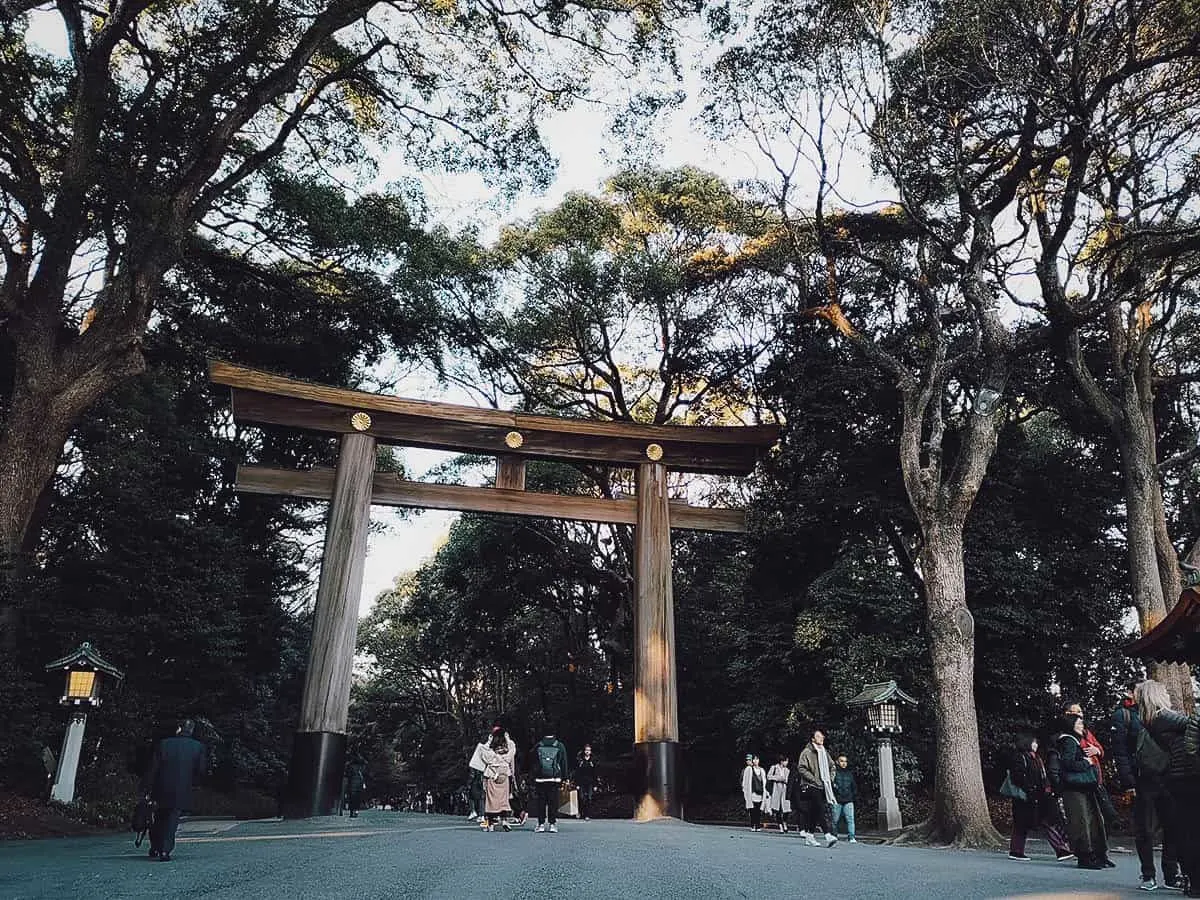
(1182, 779)
(1074, 777)
(1039, 806)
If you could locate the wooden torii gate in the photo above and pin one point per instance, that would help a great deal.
(363, 420)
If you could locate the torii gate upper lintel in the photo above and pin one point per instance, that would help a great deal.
(363, 420)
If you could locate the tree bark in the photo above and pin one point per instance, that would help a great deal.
(960, 813)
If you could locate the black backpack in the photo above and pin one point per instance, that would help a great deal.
(548, 761)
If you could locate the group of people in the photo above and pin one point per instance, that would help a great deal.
(496, 794)
(1157, 754)
(819, 791)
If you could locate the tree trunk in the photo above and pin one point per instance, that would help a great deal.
(1153, 563)
(960, 813)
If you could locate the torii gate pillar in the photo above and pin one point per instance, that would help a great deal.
(319, 747)
(655, 700)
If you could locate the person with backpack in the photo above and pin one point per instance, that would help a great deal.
(1074, 778)
(1170, 731)
(550, 768)
(1141, 764)
(754, 790)
(1027, 775)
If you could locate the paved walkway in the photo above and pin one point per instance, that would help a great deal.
(404, 855)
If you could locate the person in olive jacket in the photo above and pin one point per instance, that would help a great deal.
(177, 763)
(1171, 731)
(1074, 778)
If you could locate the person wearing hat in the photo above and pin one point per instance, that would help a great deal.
(754, 790)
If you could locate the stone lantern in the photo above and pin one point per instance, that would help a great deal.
(882, 702)
(85, 671)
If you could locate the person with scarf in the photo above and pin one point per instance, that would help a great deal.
(754, 790)
(1039, 806)
(813, 791)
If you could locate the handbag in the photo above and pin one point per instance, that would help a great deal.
(139, 822)
(1010, 790)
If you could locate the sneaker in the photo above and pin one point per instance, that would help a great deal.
(1108, 863)
(811, 841)
(506, 826)
(1019, 856)
(1148, 885)
(804, 834)
(1172, 884)
(1063, 857)
(553, 828)
(830, 839)
(853, 840)
(540, 829)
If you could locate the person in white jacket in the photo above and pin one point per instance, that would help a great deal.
(777, 785)
(754, 790)
(477, 765)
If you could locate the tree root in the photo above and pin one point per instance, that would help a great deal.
(953, 836)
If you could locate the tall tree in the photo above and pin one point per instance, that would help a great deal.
(159, 122)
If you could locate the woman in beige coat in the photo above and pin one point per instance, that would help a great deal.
(498, 760)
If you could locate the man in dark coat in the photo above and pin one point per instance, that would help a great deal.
(177, 762)
(356, 783)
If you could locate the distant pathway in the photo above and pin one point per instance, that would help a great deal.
(388, 855)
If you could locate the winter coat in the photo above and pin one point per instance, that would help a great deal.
(1029, 774)
(777, 781)
(1089, 741)
(497, 766)
(1126, 726)
(356, 777)
(1069, 769)
(845, 789)
(808, 771)
(178, 762)
(585, 773)
(1169, 730)
(749, 795)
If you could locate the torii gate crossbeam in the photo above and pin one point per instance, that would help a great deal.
(362, 420)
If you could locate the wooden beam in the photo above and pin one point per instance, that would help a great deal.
(510, 473)
(263, 398)
(390, 490)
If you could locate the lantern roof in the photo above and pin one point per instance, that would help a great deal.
(85, 656)
(882, 692)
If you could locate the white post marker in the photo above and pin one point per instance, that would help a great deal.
(68, 762)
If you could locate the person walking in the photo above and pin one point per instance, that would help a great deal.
(754, 790)
(1028, 773)
(498, 759)
(1074, 777)
(1174, 734)
(1152, 803)
(356, 783)
(550, 768)
(777, 784)
(845, 792)
(813, 791)
(585, 781)
(178, 762)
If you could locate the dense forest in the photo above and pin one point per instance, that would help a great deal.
(980, 354)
